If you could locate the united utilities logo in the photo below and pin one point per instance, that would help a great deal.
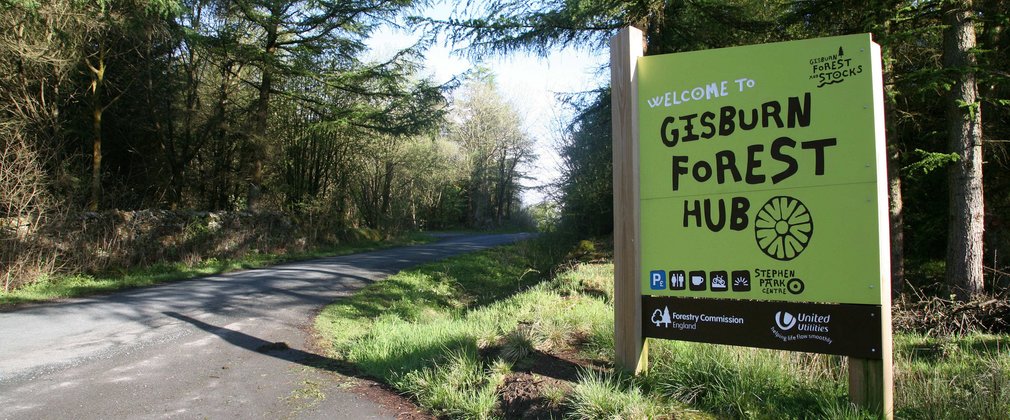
(785, 320)
(802, 326)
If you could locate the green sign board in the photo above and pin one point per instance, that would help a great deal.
(762, 172)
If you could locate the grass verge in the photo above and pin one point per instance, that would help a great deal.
(78, 285)
(457, 335)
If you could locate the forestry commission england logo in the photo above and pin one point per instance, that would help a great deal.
(785, 320)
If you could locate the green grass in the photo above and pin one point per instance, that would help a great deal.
(448, 333)
(607, 396)
(436, 332)
(739, 382)
(458, 386)
(953, 378)
(77, 285)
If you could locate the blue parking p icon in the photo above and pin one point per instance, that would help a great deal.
(657, 280)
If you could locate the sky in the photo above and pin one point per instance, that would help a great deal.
(527, 81)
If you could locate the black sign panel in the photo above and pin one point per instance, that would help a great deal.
(843, 329)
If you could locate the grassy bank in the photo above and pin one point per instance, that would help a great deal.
(53, 287)
(486, 336)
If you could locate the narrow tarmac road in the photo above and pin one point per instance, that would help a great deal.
(228, 346)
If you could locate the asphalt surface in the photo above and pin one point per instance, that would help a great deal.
(228, 346)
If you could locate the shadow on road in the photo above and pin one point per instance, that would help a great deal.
(278, 350)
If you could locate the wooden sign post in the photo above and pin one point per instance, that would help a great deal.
(631, 353)
(750, 203)
(871, 381)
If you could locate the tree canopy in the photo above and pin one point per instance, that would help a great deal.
(240, 105)
(945, 84)
(272, 105)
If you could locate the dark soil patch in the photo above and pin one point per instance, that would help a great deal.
(564, 368)
(525, 393)
(522, 396)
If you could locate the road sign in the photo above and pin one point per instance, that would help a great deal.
(848, 330)
(750, 203)
(762, 172)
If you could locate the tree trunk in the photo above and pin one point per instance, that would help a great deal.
(964, 122)
(895, 198)
(387, 194)
(897, 218)
(262, 114)
(499, 204)
(96, 157)
(894, 195)
(511, 186)
(413, 205)
(97, 72)
(220, 179)
(175, 160)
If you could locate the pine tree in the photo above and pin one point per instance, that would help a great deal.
(964, 134)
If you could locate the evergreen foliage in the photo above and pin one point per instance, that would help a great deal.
(917, 85)
(258, 105)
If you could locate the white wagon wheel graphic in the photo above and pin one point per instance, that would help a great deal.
(783, 228)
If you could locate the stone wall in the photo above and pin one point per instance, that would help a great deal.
(116, 240)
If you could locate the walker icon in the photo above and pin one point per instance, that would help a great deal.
(657, 280)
